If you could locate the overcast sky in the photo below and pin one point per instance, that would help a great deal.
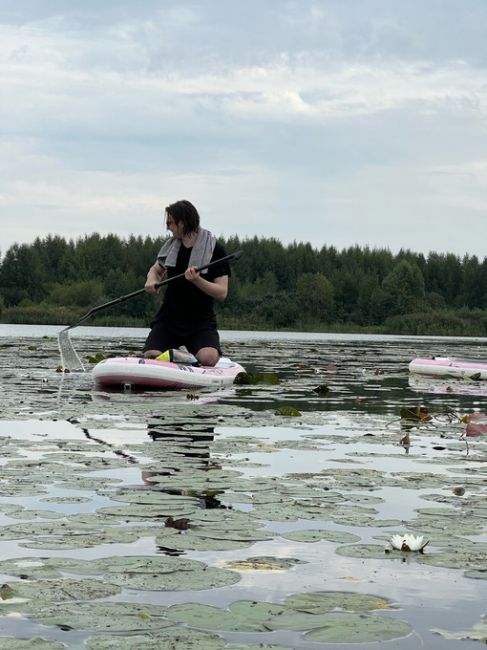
(335, 122)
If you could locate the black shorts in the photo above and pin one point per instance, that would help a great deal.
(163, 337)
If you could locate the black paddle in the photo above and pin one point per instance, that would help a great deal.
(227, 258)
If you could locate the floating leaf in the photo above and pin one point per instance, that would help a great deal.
(322, 602)
(241, 616)
(168, 639)
(318, 534)
(264, 564)
(340, 627)
(288, 411)
(357, 628)
(9, 643)
(205, 578)
(36, 514)
(253, 378)
(260, 646)
(192, 542)
(95, 358)
(59, 591)
(6, 592)
(469, 556)
(477, 632)
(364, 551)
(113, 617)
(476, 574)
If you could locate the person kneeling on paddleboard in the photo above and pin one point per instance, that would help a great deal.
(186, 316)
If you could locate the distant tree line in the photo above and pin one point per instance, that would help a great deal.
(273, 286)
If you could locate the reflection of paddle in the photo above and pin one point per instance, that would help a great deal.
(116, 301)
(117, 452)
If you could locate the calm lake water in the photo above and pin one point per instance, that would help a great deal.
(346, 465)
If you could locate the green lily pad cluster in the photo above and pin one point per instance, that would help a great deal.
(147, 573)
(333, 617)
(272, 504)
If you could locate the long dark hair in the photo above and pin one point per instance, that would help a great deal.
(184, 212)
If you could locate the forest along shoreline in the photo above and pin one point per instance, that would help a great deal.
(274, 286)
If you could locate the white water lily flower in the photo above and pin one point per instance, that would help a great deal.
(408, 543)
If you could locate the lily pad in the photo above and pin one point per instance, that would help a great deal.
(205, 578)
(88, 540)
(88, 482)
(318, 534)
(365, 498)
(364, 551)
(36, 514)
(322, 602)
(41, 528)
(291, 512)
(9, 643)
(197, 484)
(235, 519)
(109, 567)
(264, 564)
(168, 639)
(138, 571)
(230, 533)
(154, 497)
(288, 411)
(241, 616)
(340, 627)
(113, 617)
(67, 500)
(146, 511)
(260, 646)
(253, 378)
(477, 632)
(468, 556)
(459, 526)
(357, 628)
(28, 568)
(476, 574)
(190, 542)
(58, 591)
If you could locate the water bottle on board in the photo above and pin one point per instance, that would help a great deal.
(178, 356)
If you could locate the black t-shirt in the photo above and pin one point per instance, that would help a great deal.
(184, 304)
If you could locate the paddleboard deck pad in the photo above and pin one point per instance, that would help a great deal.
(149, 373)
(449, 367)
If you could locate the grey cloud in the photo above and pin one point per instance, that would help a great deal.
(302, 119)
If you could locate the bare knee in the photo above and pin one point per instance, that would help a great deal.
(208, 356)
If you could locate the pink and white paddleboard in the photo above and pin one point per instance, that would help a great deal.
(449, 367)
(149, 373)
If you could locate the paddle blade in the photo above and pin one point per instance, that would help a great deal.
(69, 357)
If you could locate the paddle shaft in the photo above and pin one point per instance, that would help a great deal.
(138, 292)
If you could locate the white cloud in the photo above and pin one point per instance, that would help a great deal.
(301, 120)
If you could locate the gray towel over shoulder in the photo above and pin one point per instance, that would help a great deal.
(201, 252)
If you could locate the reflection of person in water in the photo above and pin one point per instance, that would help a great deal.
(186, 449)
